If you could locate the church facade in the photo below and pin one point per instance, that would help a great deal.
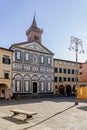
(32, 64)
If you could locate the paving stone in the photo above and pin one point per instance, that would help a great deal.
(53, 114)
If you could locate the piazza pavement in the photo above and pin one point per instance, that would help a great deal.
(56, 113)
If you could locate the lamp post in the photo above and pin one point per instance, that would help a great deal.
(75, 43)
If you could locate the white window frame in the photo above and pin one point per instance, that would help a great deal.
(56, 62)
(18, 55)
(49, 86)
(26, 56)
(42, 59)
(42, 86)
(26, 84)
(18, 83)
(60, 62)
(49, 60)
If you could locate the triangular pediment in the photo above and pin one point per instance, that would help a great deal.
(34, 46)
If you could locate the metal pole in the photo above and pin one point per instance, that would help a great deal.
(76, 49)
(77, 42)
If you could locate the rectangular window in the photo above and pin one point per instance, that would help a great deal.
(26, 85)
(18, 85)
(64, 63)
(60, 62)
(56, 62)
(6, 75)
(36, 38)
(42, 59)
(64, 71)
(18, 55)
(6, 60)
(68, 78)
(73, 79)
(60, 70)
(49, 60)
(68, 71)
(68, 64)
(73, 64)
(64, 79)
(49, 86)
(60, 79)
(55, 70)
(73, 71)
(55, 79)
(26, 56)
(42, 86)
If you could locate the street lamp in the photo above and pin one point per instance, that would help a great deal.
(75, 43)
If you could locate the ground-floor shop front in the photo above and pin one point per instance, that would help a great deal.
(67, 88)
(64, 89)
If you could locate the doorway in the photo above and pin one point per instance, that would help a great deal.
(61, 90)
(34, 87)
(3, 91)
(68, 90)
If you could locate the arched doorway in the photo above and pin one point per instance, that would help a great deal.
(3, 91)
(68, 90)
(61, 90)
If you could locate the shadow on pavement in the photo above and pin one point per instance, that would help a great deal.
(49, 117)
(14, 120)
(83, 108)
(4, 102)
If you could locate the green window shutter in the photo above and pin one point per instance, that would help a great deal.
(6, 76)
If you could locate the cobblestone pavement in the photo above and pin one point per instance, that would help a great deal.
(57, 113)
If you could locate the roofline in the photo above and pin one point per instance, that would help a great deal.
(6, 49)
(18, 43)
(84, 62)
(31, 50)
(30, 42)
(66, 60)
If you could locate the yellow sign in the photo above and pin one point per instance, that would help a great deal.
(82, 93)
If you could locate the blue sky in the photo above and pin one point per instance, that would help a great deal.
(59, 19)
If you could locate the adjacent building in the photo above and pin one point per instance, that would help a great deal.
(83, 74)
(5, 73)
(32, 64)
(65, 76)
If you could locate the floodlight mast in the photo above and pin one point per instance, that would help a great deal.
(75, 43)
